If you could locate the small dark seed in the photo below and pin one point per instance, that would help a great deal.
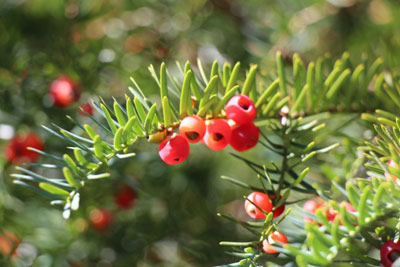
(394, 255)
(244, 106)
(217, 136)
(192, 135)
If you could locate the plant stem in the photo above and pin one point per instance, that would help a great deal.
(286, 144)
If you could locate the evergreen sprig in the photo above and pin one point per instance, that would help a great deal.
(290, 103)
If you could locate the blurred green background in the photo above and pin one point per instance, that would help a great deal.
(102, 43)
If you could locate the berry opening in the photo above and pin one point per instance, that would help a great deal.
(176, 159)
(394, 255)
(244, 104)
(192, 135)
(217, 136)
(252, 210)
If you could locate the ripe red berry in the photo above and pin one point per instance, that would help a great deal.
(241, 109)
(262, 201)
(390, 252)
(392, 164)
(101, 219)
(244, 136)
(174, 150)
(86, 107)
(218, 134)
(311, 206)
(16, 151)
(332, 213)
(64, 91)
(125, 197)
(192, 128)
(273, 238)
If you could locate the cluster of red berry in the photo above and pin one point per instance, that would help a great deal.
(313, 205)
(64, 92)
(125, 197)
(257, 205)
(237, 129)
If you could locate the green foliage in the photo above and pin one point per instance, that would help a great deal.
(101, 43)
(289, 108)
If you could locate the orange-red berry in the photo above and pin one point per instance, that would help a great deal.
(192, 128)
(311, 206)
(174, 149)
(218, 134)
(274, 238)
(262, 201)
(332, 213)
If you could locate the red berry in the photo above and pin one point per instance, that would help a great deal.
(262, 201)
(101, 219)
(390, 252)
(125, 197)
(279, 210)
(311, 206)
(174, 150)
(332, 213)
(86, 107)
(241, 109)
(218, 134)
(392, 164)
(192, 128)
(273, 238)
(64, 91)
(16, 151)
(244, 136)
